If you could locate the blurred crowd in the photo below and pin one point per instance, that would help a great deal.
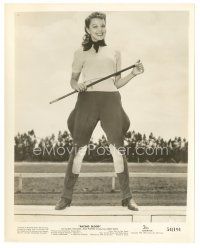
(138, 148)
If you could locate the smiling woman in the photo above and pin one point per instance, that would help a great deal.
(102, 103)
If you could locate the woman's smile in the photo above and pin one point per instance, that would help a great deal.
(97, 29)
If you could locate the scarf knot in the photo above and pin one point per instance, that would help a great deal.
(88, 43)
(98, 44)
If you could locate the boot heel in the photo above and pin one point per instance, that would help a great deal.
(63, 203)
(124, 202)
(130, 203)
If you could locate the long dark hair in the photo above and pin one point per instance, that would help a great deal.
(87, 40)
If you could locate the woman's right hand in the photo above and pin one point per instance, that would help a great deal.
(81, 87)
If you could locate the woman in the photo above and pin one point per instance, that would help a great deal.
(101, 102)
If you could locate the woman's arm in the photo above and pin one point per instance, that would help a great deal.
(119, 81)
(74, 82)
(76, 71)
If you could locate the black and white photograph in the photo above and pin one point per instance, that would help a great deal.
(100, 115)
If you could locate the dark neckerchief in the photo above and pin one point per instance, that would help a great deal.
(98, 44)
(88, 44)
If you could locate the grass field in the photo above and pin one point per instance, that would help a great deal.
(97, 191)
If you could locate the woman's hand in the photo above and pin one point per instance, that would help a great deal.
(138, 69)
(80, 87)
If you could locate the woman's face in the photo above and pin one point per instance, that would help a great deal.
(97, 29)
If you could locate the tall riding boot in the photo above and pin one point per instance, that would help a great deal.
(69, 182)
(125, 188)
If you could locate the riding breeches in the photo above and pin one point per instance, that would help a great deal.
(90, 108)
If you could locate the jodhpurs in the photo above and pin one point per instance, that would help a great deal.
(90, 108)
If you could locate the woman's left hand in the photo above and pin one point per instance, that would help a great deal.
(138, 69)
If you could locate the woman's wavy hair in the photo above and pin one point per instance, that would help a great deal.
(87, 41)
